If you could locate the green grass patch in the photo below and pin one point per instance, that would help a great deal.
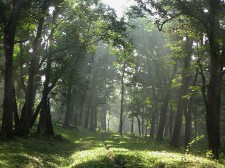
(85, 149)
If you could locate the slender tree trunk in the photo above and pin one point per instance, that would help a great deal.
(166, 129)
(171, 123)
(188, 123)
(68, 106)
(15, 111)
(75, 117)
(162, 121)
(81, 112)
(93, 120)
(132, 125)
(142, 124)
(103, 117)
(146, 128)
(153, 121)
(87, 117)
(182, 92)
(188, 114)
(195, 121)
(121, 103)
(139, 125)
(108, 120)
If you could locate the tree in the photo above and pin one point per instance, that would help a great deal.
(209, 21)
(122, 99)
(8, 24)
(27, 110)
(183, 91)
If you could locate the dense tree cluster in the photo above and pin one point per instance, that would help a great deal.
(160, 68)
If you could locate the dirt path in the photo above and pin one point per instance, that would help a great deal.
(117, 163)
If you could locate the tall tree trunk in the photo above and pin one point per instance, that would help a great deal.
(171, 122)
(87, 118)
(108, 120)
(153, 121)
(162, 121)
(68, 106)
(45, 121)
(15, 111)
(182, 92)
(139, 125)
(188, 122)
(132, 125)
(93, 121)
(9, 103)
(75, 116)
(27, 112)
(103, 117)
(81, 112)
(87, 114)
(213, 100)
(195, 121)
(142, 124)
(122, 99)
(146, 128)
(188, 114)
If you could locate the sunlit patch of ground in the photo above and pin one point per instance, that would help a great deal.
(85, 149)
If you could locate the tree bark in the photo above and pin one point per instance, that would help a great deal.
(27, 112)
(162, 121)
(132, 125)
(122, 99)
(68, 106)
(215, 83)
(182, 92)
(87, 114)
(9, 105)
(153, 121)
(171, 122)
(188, 115)
(139, 125)
(93, 120)
(103, 117)
(45, 122)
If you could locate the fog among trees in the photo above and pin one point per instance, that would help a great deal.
(157, 72)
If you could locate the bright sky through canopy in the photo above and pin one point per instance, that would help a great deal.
(118, 5)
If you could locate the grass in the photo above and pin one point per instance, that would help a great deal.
(85, 149)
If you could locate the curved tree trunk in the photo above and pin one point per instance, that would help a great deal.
(45, 122)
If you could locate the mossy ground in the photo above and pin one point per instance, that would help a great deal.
(85, 149)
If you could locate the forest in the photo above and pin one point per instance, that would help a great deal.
(84, 87)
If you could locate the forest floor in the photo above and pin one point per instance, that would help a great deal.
(85, 149)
